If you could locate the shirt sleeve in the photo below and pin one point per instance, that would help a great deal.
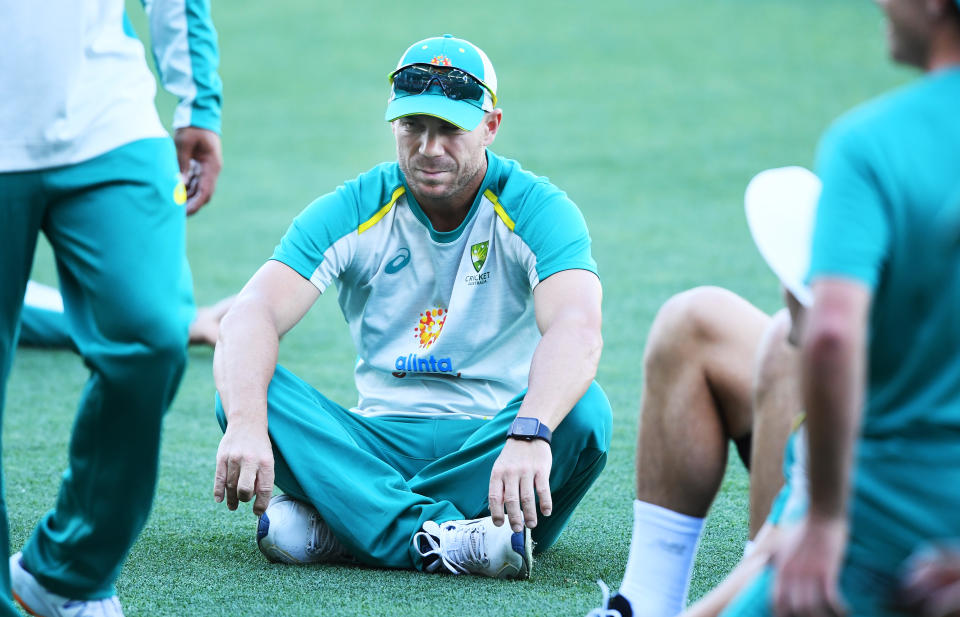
(556, 233)
(322, 240)
(852, 231)
(187, 56)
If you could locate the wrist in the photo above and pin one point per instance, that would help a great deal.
(529, 429)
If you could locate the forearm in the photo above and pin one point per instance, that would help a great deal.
(563, 366)
(833, 365)
(244, 362)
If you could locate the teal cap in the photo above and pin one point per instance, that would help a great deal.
(445, 51)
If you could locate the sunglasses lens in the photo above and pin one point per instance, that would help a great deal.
(456, 84)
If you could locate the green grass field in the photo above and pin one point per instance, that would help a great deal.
(651, 115)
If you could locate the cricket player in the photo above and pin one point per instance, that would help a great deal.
(717, 368)
(474, 305)
(85, 160)
(881, 377)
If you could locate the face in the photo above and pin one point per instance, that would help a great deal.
(909, 30)
(440, 161)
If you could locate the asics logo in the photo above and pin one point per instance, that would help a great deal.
(397, 263)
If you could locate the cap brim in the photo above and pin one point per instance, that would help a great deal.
(462, 114)
(780, 205)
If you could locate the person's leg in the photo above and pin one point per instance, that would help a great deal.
(21, 211)
(42, 322)
(354, 470)
(777, 402)
(698, 373)
(118, 238)
(579, 447)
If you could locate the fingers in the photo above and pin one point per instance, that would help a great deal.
(495, 499)
(219, 480)
(204, 182)
(528, 501)
(542, 483)
(511, 502)
(264, 490)
(200, 160)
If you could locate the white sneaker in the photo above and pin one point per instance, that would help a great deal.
(476, 547)
(36, 600)
(291, 531)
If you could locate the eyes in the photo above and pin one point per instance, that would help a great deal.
(415, 125)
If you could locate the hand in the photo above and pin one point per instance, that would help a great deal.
(808, 568)
(520, 474)
(200, 159)
(244, 467)
(931, 584)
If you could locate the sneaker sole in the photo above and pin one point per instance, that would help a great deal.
(24, 606)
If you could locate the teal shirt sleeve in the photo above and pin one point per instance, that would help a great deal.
(554, 229)
(187, 56)
(852, 231)
(315, 230)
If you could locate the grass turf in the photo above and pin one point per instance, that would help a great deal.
(651, 115)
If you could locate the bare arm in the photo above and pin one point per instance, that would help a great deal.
(833, 367)
(271, 303)
(564, 363)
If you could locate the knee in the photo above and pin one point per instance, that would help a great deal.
(686, 322)
(153, 339)
(591, 420)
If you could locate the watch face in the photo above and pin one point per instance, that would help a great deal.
(524, 426)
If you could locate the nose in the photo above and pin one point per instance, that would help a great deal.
(431, 143)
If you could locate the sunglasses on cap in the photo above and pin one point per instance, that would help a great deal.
(456, 85)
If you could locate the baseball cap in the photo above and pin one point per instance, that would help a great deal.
(435, 99)
(780, 205)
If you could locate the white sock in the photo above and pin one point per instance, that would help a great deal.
(661, 560)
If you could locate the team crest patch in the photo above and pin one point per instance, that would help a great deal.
(478, 253)
(429, 326)
(441, 60)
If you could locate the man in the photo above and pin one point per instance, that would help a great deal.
(881, 380)
(85, 159)
(43, 323)
(474, 304)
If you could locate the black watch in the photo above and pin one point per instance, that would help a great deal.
(529, 429)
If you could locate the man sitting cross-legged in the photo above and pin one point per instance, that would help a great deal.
(472, 299)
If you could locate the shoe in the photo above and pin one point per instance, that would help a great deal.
(36, 600)
(613, 606)
(291, 531)
(475, 547)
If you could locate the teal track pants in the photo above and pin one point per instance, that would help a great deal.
(118, 240)
(41, 327)
(376, 480)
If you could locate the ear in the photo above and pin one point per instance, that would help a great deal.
(491, 124)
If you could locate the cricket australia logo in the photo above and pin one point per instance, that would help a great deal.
(429, 327)
(478, 254)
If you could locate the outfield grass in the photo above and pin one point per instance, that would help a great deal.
(651, 115)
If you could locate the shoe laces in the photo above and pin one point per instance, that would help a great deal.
(322, 541)
(604, 610)
(459, 547)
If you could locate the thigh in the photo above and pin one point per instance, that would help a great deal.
(117, 227)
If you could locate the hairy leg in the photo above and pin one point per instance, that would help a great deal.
(698, 371)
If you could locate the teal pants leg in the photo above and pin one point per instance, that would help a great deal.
(579, 447)
(21, 212)
(375, 481)
(119, 239)
(41, 327)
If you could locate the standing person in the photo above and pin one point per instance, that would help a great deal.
(474, 305)
(85, 159)
(881, 375)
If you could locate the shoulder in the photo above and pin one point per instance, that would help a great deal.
(358, 200)
(523, 195)
(876, 119)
